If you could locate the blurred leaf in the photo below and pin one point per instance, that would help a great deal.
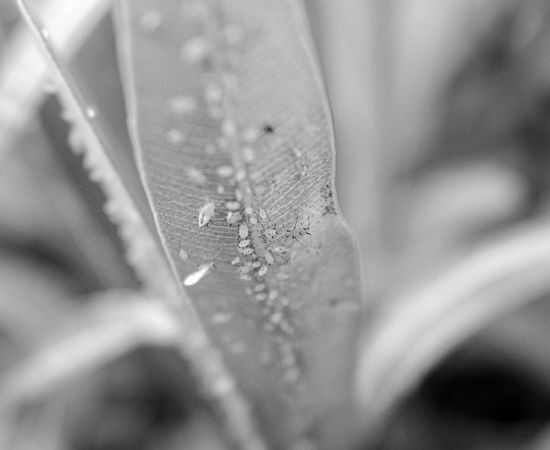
(116, 175)
(426, 321)
(110, 166)
(113, 324)
(79, 342)
(237, 137)
(23, 70)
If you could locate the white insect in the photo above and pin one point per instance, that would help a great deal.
(248, 154)
(269, 258)
(233, 218)
(183, 254)
(206, 213)
(91, 112)
(233, 206)
(243, 231)
(199, 274)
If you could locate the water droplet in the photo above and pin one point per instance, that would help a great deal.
(151, 20)
(175, 136)
(253, 220)
(182, 104)
(206, 213)
(183, 254)
(238, 195)
(262, 271)
(233, 206)
(196, 50)
(248, 211)
(224, 171)
(273, 294)
(235, 261)
(243, 231)
(45, 33)
(199, 274)
(281, 276)
(259, 287)
(196, 176)
(263, 214)
(91, 112)
(246, 251)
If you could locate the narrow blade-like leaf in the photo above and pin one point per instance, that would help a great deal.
(234, 142)
(425, 323)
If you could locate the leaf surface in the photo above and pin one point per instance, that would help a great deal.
(234, 142)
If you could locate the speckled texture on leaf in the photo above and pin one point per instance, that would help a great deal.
(281, 298)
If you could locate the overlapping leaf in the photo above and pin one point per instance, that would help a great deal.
(234, 142)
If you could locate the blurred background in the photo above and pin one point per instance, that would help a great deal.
(442, 120)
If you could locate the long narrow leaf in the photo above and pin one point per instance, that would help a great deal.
(425, 323)
(234, 142)
(23, 70)
(126, 208)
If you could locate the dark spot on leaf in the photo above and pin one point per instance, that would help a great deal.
(268, 129)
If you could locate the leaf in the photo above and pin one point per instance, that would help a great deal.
(81, 341)
(116, 323)
(428, 320)
(23, 70)
(226, 107)
(109, 166)
(126, 204)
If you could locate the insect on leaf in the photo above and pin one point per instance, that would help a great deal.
(108, 165)
(234, 142)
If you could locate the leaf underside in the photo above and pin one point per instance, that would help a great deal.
(226, 107)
